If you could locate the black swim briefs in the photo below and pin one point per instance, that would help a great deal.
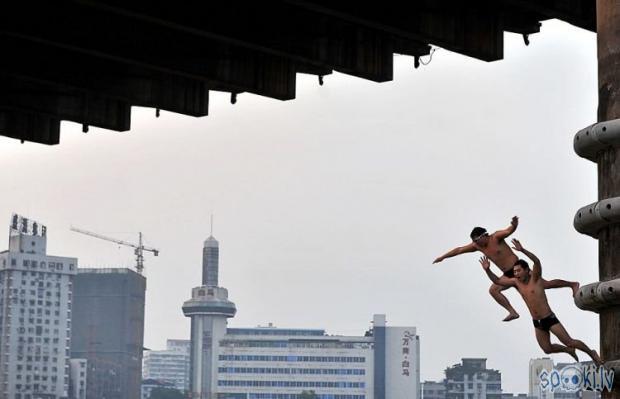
(510, 273)
(546, 323)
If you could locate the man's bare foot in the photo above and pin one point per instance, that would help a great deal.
(573, 353)
(597, 359)
(511, 316)
(575, 288)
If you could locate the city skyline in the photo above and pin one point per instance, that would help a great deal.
(337, 203)
(210, 267)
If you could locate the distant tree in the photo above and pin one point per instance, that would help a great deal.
(308, 395)
(166, 393)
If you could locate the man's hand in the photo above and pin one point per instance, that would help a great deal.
(517, 245)
(437, 260)
(514, 222)
(486, 264)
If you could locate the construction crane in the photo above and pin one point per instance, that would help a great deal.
(138, 248)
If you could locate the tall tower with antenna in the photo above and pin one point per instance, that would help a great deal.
(209, 310)
(210, 260)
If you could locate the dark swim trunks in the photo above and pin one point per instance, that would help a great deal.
(546, 323)
(510, 273)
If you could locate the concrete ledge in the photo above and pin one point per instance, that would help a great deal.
(588, 142)
(598, 296)
(592, 218)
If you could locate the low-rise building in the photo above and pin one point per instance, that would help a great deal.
(433, 390)
(149, 384)
(78, 378)
(472, 380)
(170, 365)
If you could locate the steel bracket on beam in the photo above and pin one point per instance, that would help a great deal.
(590, 219)
(588, 142)
(596, 297)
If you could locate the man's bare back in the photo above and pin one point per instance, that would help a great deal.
(499, 252)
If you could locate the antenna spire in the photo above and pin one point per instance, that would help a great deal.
(211, 234)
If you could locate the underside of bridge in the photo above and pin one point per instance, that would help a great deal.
(90, 61)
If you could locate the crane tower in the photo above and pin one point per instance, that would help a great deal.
(138, 248)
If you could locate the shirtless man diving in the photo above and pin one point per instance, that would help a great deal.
(530, 285)
(498, 251)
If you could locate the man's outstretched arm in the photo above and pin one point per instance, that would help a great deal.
(456, 251)
(536, 268)
(502, 234)
(486, 265)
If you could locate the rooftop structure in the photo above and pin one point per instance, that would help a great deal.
(169, 56)
(471, 378)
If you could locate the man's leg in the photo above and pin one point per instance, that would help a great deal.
(496, 293)
(544, 341)
(559, 331)
(557, 283)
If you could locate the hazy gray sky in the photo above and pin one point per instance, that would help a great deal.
(331, 207)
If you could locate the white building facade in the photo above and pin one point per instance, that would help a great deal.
(536, 367)
(35, 315)
(77, 380)
(272, 363)
(278, 363)
(536, 391)
(170, 365)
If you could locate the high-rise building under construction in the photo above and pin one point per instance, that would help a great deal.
(108, 330)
